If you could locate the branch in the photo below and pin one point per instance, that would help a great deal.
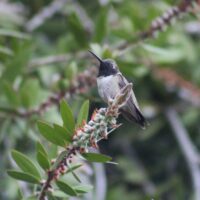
(187, 147)
(160, 23)
(49, 60)
(44, 14)
(80, 85)
(53, 174)
(102, 123)
(83, 16)
(52, 9)
(186, 89)
(61, 58)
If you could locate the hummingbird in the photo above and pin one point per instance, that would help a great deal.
(109, 82)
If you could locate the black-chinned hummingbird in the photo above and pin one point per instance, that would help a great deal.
(109, 82)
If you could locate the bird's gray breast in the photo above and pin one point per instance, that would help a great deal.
(108, 87)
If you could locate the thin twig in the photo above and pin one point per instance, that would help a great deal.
(51, 174)
(187, 147)
(187, 90)
(83, 16)
(52, 59)
(49, 60)
(45, 14)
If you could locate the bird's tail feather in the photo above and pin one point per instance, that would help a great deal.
(139, 118)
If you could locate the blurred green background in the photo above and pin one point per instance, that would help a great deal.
(44, 47)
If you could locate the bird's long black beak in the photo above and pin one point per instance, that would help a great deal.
(99, 59)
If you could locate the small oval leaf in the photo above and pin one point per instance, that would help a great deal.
(76, 176)
(23, 176)
(83, 188)
(25, 164)
(40, 148)
(15, 34)
(63, 133)
(66, 188)
(43, 161)
(77, 29)
(67, 116)
(73, 173)
(49, 133)
(101, 25)
(10, 93)
(83, 114)
(72, 168)
(96, 157)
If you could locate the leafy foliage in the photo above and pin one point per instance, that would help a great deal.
(25, 163)
(67, 116)
(43, 67)
(83, 114)
(94, 157)
(23, 176)
(66, 188)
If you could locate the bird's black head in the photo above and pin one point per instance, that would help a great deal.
(107, 67)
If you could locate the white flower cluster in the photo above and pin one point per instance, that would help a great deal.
(102, 122)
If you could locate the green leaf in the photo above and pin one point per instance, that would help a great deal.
(26, 97)
(10, 94)
(154, 49)
(96, 157)
(23, 176)
(76, 177)
(12, 33)
(71, 70)
(43, 161)
(41, 149)
(6, 51)
(60, 194)
(25, 164)
(67, 116)
(164, 55)
(83, 114)
(62, 133)
(73, 173)
(66, 188)
(77, 30)
(101, 25)
(16, 66)
(72, 168)
(49, 133)
(53, 151)
(83, 188)
(112, 163)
